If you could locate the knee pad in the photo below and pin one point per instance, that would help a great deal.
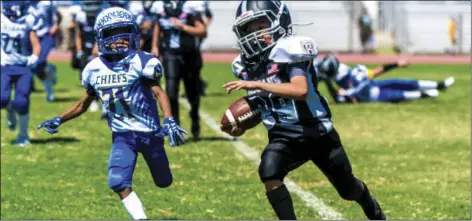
(165, 182)
(117, 179)
(271, 166)
(21, 104)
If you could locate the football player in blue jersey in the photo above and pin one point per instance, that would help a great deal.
(275, 67)
(46, 11)
(358, 84)
(20, 50)
(127, 82)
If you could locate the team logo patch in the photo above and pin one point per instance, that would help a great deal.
(308, 46)
(272, 68)
(244, 75)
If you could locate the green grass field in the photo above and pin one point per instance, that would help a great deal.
(414, 156)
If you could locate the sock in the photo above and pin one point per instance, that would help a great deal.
(23, 121)
(426, 85)
(281, 202)
(47, 87)
(133, 205)
(411, 95)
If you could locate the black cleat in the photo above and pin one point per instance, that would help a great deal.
(196, 131)
(375, 212)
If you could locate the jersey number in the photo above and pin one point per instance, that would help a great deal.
(117, 96)
(11, 44)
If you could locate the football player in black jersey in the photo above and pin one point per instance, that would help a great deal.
(275, 69)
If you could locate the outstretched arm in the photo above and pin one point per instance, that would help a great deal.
(387, 67)
(78, 108)
(74, 111)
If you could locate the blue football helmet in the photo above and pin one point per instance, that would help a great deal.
(113, 25)
(14, 9)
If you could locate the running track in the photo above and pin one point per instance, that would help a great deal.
(347, 58)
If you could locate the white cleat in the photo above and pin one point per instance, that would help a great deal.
(430, 93)
(94, 106)
(448, 82)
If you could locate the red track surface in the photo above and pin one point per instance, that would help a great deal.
(347, 58)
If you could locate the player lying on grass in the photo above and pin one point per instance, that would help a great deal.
(126, 80)
(18, 33)
(357, 84)
(276, 70)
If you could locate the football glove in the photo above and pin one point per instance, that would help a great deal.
(79, 55)
(31, 60)
(51, 125)
(173, 131)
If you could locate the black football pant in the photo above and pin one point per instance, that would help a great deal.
(186, 67)
(283, 155)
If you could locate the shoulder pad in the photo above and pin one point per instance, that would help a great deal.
(31, 20)
(92, 65)
(81, 17)
(294, 49)
(194, 7)
(151, 66)
(157, 7)
(74, 9)
(136, 8)
(237, 66)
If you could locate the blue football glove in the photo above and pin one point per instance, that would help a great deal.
(51, 125)
(173, 130)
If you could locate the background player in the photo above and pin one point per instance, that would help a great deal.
(49, 28)
(74, 9)
(357, 84)
(85, 37)
(277, 74)
(126, 81)
(18, 34)
(175, 37)
(146, 21)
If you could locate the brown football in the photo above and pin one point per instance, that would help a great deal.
(241, 115)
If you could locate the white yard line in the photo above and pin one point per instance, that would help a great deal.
(324, 211)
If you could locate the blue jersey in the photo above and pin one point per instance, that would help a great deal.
(45, 10)
(138, 10)
(283, 117)
(356, 81)
(15, 40)
(124, 90)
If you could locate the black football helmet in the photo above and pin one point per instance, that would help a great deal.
(255, 42)
(173, 8)
(329, 66)
(91, 8)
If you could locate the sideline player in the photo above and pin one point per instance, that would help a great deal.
(358, 84)
(175, 37)
(126, 80)
(276, 70)
(18, 32)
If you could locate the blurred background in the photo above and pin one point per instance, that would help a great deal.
(356, 26)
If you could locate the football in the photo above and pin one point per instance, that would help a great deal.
(241, 115)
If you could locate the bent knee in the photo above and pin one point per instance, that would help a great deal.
(164, 182)
(117, 181)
